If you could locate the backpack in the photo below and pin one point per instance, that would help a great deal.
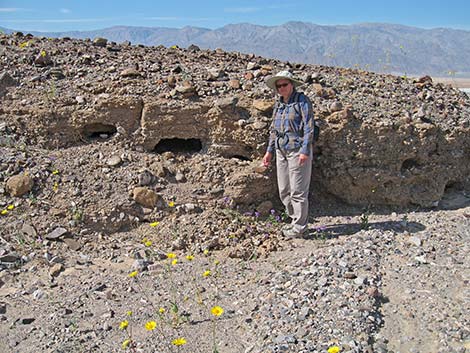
(316, 126)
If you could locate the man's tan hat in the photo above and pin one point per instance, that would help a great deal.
(286, 75)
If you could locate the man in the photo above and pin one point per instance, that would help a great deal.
(291, 139)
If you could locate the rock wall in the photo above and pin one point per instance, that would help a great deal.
(397, 163)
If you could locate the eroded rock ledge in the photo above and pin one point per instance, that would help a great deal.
(385, 139)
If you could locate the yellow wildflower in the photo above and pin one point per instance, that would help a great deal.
(171, 204)
(129, 313)
(123, 325)
(126, 344)
(148, 243)
(216, 262)
(178, 341)
(150, 325)
(55, 172)
(43, 53)
(189, 257)
(205, 252)
(217, 311)
(55, 187)
(4, 212)
(334, 349)
(206, 273)
(171, 255)
(174, 262)
(154, 224)
(133, 274)
(161, 310)
(10, 207)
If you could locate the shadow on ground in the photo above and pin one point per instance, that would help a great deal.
(336, 230)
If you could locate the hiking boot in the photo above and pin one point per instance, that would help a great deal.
(291, 233)
(286, 227)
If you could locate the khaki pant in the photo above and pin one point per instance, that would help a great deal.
(293, 181)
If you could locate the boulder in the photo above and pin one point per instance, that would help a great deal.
(18, 185)
(145, 197)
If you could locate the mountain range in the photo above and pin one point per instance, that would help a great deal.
(380, 47)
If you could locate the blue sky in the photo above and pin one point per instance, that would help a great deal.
(65, 15)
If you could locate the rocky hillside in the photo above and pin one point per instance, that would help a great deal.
(379, 47)
(385, 139)
(114, 155)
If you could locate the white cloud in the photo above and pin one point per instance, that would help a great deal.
(65, 11)
(10, 9)
(77, 20)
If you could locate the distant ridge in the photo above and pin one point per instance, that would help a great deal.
(379, 47)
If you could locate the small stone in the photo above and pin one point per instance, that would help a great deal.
(130, 72)
(265, 207)
(72, 244)
(421, 259)
(335, 107)
(178, 244)
(38, 294)
(171, 81)
(43, 59)
(349, 275)
(100, 42)
(415, 241)
(145, 197)
(114, 161)
(259, 125)
(10, 258)
(56, 269)
(56, 233)
(179, 177)
(263, 105)
(235, 84)
(145, 178)
(6, 81)
(360, 280)
(27, 321)
(373, 292)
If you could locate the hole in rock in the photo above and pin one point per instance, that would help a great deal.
(409, 164)
(178, 145)
(99, 131)
(453, 186)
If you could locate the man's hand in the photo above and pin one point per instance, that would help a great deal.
(267, 159)
(303, 158)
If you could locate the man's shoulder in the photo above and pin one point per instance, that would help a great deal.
(302, 98)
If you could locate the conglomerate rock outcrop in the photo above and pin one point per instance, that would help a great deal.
(384, 140)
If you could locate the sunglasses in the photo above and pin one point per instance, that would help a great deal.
(282, 85)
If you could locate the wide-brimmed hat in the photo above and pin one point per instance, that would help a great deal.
(286, 75)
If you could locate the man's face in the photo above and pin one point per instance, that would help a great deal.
(284, 87)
